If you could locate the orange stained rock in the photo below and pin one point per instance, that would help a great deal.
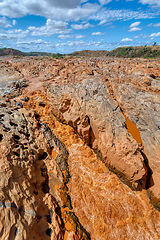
(54, 153)
(70, 227)
(107, 208)
(133, 130)
(56, 187)
(66, 235)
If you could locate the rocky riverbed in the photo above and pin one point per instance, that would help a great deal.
(80, 148)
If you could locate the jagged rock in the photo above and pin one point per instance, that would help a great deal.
(143, 109)
(140, 101)
(136, 89)
(42, 104)
(26, 99)
(97, 98)
(95, 116)
(106, 207)
(33, 168)
(25, 200)
(12, 88)
(19, 104)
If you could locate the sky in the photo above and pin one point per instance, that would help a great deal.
(66, 26)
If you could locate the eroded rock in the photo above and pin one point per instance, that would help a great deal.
(95, 116)
(24, 195)
(32, 165)
(107, 208)
(102, 101)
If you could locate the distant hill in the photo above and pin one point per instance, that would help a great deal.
(89, 53)
(127, 52)
(38, 54)
(11, 52)
(17, 53)
(136, 52)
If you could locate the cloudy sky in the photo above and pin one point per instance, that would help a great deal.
(68, 25)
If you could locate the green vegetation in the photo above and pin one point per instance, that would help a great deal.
(136, 52)
(36, 54)
(58, 55)
(89, 53)
(126, 52)
(17, 53)
(1, 49)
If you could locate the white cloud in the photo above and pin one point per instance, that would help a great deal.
(135, 24)
(63, 36)
(14, 22)
(80, 43)
(81, 26)
(79, 36)
(104, 2)
(137, 36)
(150, 25)
(55, 9)
(68, 10)
(97, 33)
(14, 34)
(71, 43)
(102, 22)
(151, 2)
(33, 41)
(96, 44)
(126, 40)
(65, 3)
(155, 34)
(134, 29)
(154, 25)
(52, 27)
(35, 45)
(4, 23)
(106, 15)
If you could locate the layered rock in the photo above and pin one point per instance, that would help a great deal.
(110, 105)
(27, 208)
(11, 81)
(95, 116)
(138, 94)
(32, 170)
(107, 208)
(135, 88)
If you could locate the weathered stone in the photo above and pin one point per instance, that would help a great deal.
(112, 105)
(89, 100)
(26, 99)
(106, 207)
(42, 104)
(19, 104)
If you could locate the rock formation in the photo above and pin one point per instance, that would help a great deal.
(80, 149)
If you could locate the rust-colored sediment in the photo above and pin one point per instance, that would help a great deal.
(133, 130)
(106, 207)
(54, 154)
(47, 118)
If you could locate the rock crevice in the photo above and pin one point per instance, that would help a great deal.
(52, 182)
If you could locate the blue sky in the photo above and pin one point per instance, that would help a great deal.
(69, 25)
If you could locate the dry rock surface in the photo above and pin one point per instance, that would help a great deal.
(80, 148)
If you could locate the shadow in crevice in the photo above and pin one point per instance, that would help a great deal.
(44, 173)
(149, 180)
(13, 232)
(65, 200)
